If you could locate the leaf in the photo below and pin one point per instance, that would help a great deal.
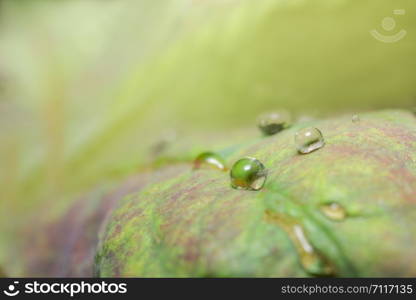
(176, 221)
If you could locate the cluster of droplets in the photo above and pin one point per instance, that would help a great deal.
(249, 173)
(246, 174)
(306, 139)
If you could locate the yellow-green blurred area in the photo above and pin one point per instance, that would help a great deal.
(88, 86)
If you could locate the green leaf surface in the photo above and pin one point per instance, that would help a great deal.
(192, 223)
(77, 115)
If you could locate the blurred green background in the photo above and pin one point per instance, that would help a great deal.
(89, 87)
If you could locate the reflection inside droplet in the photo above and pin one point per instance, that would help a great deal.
(334, 211)
(248, 174)
(272, 123)
(308, 140)
(209, 160)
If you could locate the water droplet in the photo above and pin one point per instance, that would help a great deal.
(272, 123)
(209, 160)
(334, 211)
(167, 139)
(248, 174)
(355, 118)
(311, 260)
(308, 140)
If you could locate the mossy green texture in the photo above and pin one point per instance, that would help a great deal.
(191, 223)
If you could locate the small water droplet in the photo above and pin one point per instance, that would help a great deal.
(272, 123)
(248, 174)
(167, 138)
(334, 211)
(355, 118)
(209, 160)
(311, 260)
(308, 140)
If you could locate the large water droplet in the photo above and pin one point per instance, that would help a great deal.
(272, 123)
(308, 140)
(355, 118)
(311, 260)
(248, 174)
(334, 211)
(209, 160)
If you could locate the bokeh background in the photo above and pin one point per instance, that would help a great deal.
(90, 90)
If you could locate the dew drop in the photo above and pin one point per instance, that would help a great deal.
(311, 260)
(209, 160)
(272, 123)
(248, 174)
(334, 211)
(167, 139)
(308, 140)
(355, 118)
